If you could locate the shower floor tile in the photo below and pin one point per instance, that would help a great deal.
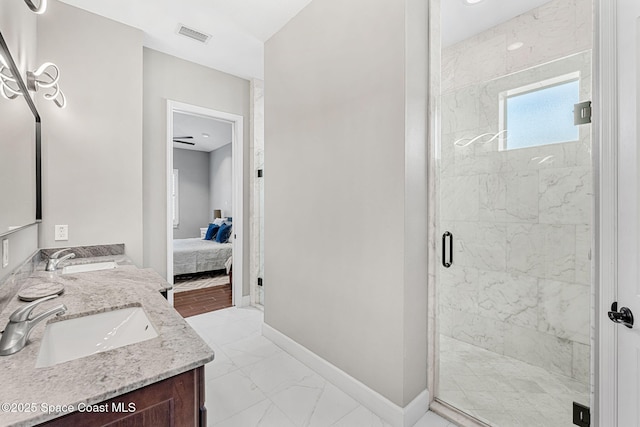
(502, 391)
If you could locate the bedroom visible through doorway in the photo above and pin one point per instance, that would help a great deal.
(203, 209)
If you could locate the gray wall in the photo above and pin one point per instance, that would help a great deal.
(170, 78)
(92, 150)
(220, 180)
(194, 193)
(345, 196)
(18, 27)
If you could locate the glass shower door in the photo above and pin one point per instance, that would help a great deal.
(515, 215)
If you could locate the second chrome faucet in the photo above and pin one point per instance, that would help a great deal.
(52, 264)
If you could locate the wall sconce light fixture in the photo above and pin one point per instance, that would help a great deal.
(46, 77)
(37, 9)
(9, 88)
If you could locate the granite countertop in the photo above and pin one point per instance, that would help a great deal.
(101, 376)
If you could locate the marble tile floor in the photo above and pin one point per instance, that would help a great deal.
(252, 382)
(503, 391)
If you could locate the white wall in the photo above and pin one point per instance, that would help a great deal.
(18, 27)
(170, 78)
(345, 194)
(220, 183)
(92, 150)
(194, 192)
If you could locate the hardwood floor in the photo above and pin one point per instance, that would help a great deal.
(198, 301)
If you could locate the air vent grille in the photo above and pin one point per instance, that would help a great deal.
(193, 34)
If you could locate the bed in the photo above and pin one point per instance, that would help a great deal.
(196, 255)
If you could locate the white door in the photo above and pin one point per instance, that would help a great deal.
(628, 292)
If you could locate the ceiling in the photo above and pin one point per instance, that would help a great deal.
(191, 125)
(461, 21)
(238, 28)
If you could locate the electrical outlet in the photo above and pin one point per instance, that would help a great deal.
(5, 253)
(62, 232)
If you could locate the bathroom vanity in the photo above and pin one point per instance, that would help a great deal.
(156, 381)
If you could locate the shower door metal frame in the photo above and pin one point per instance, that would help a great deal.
(605, 161)
(605, 173)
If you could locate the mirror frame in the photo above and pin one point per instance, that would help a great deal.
(32, 106)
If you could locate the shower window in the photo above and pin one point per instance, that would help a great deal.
(540, 113)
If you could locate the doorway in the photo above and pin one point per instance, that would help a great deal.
(515, 201)
(226, 258)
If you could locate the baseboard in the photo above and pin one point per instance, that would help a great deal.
(369, 398)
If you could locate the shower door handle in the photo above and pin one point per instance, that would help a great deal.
(447, 236)
(623, 316)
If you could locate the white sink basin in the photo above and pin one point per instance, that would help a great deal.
(83, 268)
(75, 338)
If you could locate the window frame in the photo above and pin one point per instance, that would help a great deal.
(529, 88)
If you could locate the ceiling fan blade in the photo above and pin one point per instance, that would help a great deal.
(182, 137)
(185, 142)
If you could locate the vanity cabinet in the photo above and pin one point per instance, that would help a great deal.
(177, 401)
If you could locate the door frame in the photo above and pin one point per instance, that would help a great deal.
(605, 161)
(237, 174)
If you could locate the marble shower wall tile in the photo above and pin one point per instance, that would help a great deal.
(548, 33)
(566, 196)
(564, 310)
(560, 252)
(509, 298)
(468, 161)
(583, 254)
(473, 329)
(541, 250)
(525, 249)
(521, 200)
(459, 198)
(492, 198)
(581, 363)
(459, 288)
(479, 245)
(536, 158)
(584, 23)
(460, 110)
(554, 30)
(462, 66)
(539, 349)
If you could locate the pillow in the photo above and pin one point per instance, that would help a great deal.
(218, 221)
(223, 233)
(212, 231)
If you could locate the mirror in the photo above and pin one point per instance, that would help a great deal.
(20, 196)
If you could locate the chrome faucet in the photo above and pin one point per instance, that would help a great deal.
(53, 262)
(17, 331)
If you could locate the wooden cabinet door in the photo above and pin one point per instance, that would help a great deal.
(175, 402)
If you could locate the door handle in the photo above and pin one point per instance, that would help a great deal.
(624, 316)
(447, 236)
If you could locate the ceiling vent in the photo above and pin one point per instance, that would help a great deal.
(193, 34)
